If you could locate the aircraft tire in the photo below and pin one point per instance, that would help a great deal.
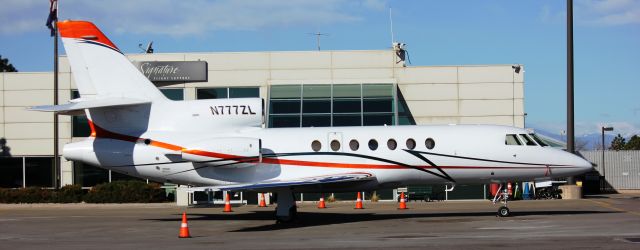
(504, 212)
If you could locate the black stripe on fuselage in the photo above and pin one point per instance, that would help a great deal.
(418, 154)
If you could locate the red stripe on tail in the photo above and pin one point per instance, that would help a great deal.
(83, 30)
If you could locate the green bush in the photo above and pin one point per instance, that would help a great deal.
(69, 194)
(124, 192)
(26, 195)
(114, 192)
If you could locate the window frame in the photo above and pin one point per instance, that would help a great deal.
(527, 140)
(514, 136)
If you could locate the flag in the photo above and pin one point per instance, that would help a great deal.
(53, 16)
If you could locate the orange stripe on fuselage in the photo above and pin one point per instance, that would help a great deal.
(83, 30)
(98, 132)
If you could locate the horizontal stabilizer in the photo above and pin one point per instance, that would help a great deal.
(78, 105)
(323, 180)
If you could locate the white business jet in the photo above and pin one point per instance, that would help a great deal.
(222, 143)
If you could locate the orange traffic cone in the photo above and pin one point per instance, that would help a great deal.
(403, 202)
(321, 203)
(227, 204)
(262, 202)
(184, 228)
(359, 202)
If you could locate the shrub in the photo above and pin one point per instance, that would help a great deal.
(69, 194)
(26, 195)
(331, 198)
(125, 191)
(114, 192)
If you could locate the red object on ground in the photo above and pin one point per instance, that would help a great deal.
(359, 202)
(321, 203)
(403, 202)
(184, 228)
(227, 204)
(262, 201)
(494, 188)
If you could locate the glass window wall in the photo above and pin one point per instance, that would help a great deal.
(331, 105)
(224, 93)
(89, 176)
(173, 94)
(10, 172)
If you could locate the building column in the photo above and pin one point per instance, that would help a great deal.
(66, 173)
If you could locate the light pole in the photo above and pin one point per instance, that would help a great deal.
(604, 178)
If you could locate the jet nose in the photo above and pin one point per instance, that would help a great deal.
(583, 164)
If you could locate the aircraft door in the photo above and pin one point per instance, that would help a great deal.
(334, 142)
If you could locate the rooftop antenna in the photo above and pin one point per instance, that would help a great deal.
(391, 22)
(149, 49)
(318, 34)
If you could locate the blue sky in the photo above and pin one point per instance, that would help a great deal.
(454, 32)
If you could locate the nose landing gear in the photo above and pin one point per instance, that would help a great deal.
(502, 196)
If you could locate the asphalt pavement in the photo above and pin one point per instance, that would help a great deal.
(603, 222)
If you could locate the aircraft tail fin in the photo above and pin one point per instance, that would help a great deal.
(99, 68)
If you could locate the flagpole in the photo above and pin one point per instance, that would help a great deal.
(56, 159)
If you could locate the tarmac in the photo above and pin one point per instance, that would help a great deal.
(602, 222)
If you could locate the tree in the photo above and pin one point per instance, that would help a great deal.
(633, 144)
(5, 66)
(618, 143)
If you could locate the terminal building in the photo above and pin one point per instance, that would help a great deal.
(300, 89)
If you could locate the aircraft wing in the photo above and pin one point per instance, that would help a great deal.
(316, 182)
(79, 105)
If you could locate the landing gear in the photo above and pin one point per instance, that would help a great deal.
(503, 211)
(502, 196)
(286, 211)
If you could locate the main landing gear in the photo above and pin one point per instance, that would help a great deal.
(502, 196)
(286, 211)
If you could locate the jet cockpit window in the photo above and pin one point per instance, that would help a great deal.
(512, 139)
(538, 140)
(528, 140)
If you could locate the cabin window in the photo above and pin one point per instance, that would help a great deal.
(392, 144)
(538, 140)
(429, 143)
(335, 145)
(316, 145)
(373, 144)
(354, 145)
(411, 144)
(512, 139)
(527, 140)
